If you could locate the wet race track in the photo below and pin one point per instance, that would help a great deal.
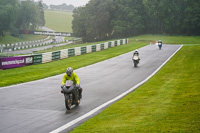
(38, 106)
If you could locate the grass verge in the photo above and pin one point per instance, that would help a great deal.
(168, 102)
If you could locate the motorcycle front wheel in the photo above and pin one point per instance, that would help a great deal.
(135, 63)
(67, 102)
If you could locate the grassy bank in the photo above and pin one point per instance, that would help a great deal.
(58, 21)
(168, 102)
(171, 39)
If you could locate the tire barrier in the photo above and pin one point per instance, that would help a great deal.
(26, 45)
(19, 61)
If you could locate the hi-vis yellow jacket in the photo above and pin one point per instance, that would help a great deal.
(73, 78)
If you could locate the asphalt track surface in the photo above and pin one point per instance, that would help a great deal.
(38, 106)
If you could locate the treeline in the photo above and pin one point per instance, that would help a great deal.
(62, 7)
(105, 19)
(16, 15)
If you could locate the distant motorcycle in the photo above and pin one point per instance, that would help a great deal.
(71, 94)
(135, 60)
(159, 44)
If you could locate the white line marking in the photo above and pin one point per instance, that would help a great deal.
(111, 101)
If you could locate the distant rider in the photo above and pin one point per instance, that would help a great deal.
(70, 75)
(159, 42)
(136, 53)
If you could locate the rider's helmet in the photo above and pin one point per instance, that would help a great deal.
(69, 71)
(136, 52)
(159, 41)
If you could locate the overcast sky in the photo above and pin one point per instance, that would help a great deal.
(75, 3)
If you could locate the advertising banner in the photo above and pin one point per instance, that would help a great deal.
(48, 33)
(12, 62)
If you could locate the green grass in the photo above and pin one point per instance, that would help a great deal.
(10, 39)
(168, 102)
(58, 21)
(171, 39)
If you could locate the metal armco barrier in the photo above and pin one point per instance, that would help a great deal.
(19, 61)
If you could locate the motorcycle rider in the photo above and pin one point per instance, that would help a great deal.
(160, 42)
(70, 75)
(136, 53)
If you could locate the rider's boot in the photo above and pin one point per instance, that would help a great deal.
(80, 93)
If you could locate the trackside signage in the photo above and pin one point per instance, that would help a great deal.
(12, 62)
(52, 33)
(48, 33)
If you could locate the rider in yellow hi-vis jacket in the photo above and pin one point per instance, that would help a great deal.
(70, 75)
(73, 77)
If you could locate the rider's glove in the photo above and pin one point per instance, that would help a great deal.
(62, 86)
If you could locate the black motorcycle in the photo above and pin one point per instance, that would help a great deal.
(71, 94)
(135, 60)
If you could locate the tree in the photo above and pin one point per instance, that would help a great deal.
(8, 9)
(128, 19)
(103, 19)
(78, 22)
(28, 15)
(41, 14)
(191, 22)
(94, 20)
(62, 7)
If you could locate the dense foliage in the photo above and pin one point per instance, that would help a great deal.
(105, 19)
(62, 7)
(16, 15)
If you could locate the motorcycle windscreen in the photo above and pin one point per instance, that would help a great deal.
(69, 86)
(69, 83)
